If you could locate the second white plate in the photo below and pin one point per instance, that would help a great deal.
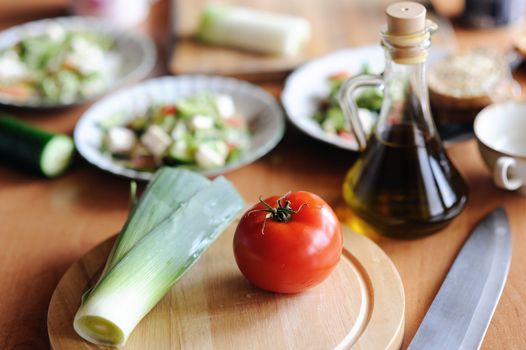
(308, 84)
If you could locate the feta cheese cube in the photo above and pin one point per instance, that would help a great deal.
(12, 68)
(201, 122)
(367, 118)
(225, 106)
(56, 32)
(211, 154)
(121, 140)
(156, 140)
(85, 56)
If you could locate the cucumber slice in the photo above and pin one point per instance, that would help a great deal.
(34, 149)
(56, 155)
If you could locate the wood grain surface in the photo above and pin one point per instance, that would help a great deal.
(214, 307)
(46, 225)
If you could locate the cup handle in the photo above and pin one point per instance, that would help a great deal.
(502, 174)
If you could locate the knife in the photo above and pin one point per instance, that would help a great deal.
(461, 312)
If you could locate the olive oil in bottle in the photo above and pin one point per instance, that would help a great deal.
(403, 183)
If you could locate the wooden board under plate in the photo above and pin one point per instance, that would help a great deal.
(360, 306)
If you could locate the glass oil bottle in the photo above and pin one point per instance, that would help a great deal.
(403, 183)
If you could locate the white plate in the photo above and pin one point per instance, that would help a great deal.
(134, 52)
(265, 117)
(308, 84)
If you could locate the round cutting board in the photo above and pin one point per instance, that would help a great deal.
(360, 306)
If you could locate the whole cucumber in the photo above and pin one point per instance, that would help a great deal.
(34, 149)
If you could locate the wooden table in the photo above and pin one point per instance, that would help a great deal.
(45, 225)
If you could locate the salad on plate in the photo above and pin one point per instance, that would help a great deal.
(57, 66)
(330, 116)
(203, 131)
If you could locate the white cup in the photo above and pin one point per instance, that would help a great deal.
(500, 130)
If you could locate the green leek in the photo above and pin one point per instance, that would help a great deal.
(168, 190)
(146, 261)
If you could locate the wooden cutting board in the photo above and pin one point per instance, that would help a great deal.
(360, 306)
(335, 24)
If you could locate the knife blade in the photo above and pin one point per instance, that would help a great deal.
(461, 311)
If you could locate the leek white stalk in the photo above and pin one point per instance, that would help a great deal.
(251, 29)
(139, 279)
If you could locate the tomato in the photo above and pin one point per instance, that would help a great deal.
(346, 135)
(341, 75)
(288, 244)
(169, 109)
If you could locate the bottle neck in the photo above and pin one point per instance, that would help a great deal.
(406, 99)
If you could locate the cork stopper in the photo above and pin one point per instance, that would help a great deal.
(405, 18)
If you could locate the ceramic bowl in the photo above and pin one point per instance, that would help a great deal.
(265, 117)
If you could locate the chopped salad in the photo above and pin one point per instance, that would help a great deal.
(330, 116)
(203, 131)
(57, 66)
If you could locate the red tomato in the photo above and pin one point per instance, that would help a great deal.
(289, 244)
(341, 75)
(346, 135)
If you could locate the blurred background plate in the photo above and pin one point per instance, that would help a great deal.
(308, 85)
(135, 53)
(264, 115)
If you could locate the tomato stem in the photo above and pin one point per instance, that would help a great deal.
(282, 213)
